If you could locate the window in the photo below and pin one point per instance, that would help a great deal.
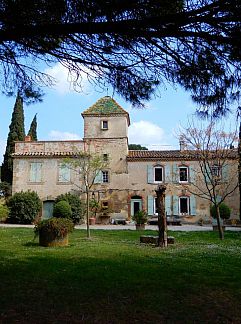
(184, 205)
(105, 157)
(183, 174)
(216, 171)
(64, 173)
(105, 176)
(35, 172)
(104, 124)
(158, 174)
(105, 205)
(155, 206)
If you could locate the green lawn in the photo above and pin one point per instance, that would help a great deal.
(114, 279)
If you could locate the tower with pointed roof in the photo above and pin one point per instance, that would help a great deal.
(105, 119)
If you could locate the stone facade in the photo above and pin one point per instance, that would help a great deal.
(129, 181)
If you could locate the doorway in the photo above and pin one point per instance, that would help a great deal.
(136, 204)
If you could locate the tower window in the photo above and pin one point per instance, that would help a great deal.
(104, 124)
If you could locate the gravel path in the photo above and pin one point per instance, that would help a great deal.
(183, 228)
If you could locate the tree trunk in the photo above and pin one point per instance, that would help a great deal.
(162, 225)
(220, 228)
(239, 169)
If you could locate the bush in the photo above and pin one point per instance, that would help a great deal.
(59, 227)
(225, 211)
(62, 209)
(140, 217)
(23, 207)
(4, 211)
(77, 207)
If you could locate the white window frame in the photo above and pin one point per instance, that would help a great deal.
(103, 126)
(179, 170)
(216, 171)
(154, 206)
(105, 176)
(60, 177)
(154, 171)
(188, 205)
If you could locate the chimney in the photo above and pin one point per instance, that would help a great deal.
(28, 138)
(182, 144)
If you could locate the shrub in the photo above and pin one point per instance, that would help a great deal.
(225, 211)
(77, 207)
(58, 227)
(62, 209)
(4, 211)
(23, 207)
(140, 217)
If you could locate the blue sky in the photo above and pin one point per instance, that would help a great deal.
(59, 115)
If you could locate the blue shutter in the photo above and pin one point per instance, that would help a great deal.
(167, 174)
(98, 177)
(150, 205)
(175, 173)
(36, 172)
(175, 206)
(207, 174)
(219, 198)
(225, 172)
(191, 174)
(168, 205)
(149, 174)
(193, 205)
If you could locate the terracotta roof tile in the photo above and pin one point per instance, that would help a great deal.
(138, 155)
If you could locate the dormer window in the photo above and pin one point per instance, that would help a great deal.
(104, 124)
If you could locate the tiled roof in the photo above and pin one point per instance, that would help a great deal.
(105, 106)
(43, 154)
(138, 155)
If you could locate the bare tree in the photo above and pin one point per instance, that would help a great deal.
(135, 46)
(216, 176)
(87, 168)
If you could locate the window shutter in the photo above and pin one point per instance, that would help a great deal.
(149, 174)
(175, 173)
(191, 174)
(225, 172)
(150, 205)
(64, 173)
(193, 205)
(207, 174)
(168, 205)
(98, 177)
(38, 177)
(175, 206)
(219, 198)
(167, 174)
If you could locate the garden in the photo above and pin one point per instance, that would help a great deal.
(112, 278)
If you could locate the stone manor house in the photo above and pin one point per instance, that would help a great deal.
(129, 182)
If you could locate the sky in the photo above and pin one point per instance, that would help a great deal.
(59, 115)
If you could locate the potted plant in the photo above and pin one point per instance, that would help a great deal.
(225, 213)
(140, 218)
(53, 231)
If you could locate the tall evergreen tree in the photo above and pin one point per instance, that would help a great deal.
(16, 133)
(33, 129)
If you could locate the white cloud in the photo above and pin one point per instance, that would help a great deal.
(148, 134)
(60, 136)
(65, 82)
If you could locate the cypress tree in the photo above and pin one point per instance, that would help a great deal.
(16, 133)
(33, 129)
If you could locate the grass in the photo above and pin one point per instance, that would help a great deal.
(114, 279)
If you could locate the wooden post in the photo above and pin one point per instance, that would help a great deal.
(162, 223)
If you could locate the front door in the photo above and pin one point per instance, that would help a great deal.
(136, 205)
